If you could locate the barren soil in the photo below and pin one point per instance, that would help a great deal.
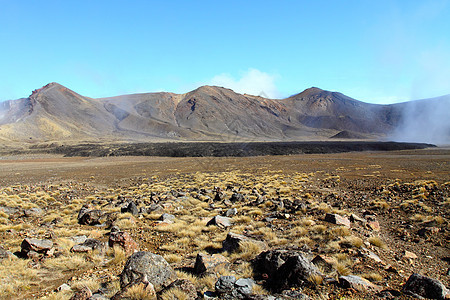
(405, 190)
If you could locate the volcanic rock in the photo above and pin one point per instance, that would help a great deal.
(153, 266)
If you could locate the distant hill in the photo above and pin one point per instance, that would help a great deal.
(55, 113)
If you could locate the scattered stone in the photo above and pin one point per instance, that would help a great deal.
(83, 294)
(233, 241)
(409, 255)
(124, 240)
(29, 246)
(4, 254)
(88, 245)
(114, 228)
(167, 218)
(236, 197)
(337, 219)
(204, 262)
(131, 208)
(358, 283)
(222, 222)
(33, 212)
(78, 239)
(427, 231)
(356, 219)
(419, 285)
(231, 212)
(184, 285)
(64, 287)
(154, 266)
(373, 225)
(294, 294)
(370, 255)
(98, 296)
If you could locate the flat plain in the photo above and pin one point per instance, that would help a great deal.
(284, 203)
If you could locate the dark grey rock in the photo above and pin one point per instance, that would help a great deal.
(131, 208)
(90, 216)
(227, 287)
(236, 197)
(284, 269)
(153, 266)
(425, 287)
(244, 286)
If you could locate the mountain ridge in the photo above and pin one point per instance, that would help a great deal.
(208, 113)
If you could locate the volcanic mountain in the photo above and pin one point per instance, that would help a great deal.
(56, 113)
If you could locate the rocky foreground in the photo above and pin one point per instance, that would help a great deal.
(345, 230)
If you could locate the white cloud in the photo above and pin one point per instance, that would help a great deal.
(253, 82)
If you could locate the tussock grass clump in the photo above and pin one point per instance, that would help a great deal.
(377, 242)
(174, 293)
(138, 292)
(16, 277)
(92, 284)
(247, 251)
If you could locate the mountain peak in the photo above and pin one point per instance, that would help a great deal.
(45, 88)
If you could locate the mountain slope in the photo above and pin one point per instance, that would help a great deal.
(56, 113)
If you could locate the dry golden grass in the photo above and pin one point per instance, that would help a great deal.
(247, 251)
(67, 263)
(377, 242)
(118, 255)
(173, 258)
(16, 277)
(315, 279)
(93, 284)
(174, 294)
(137, 292)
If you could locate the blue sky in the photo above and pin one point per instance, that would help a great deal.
(374, 51)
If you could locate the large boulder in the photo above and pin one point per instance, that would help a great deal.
(152, 266)
(88, 216)
(419, 285)
(284, 269)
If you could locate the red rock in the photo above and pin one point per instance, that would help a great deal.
(124, 240)
(374, 225)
